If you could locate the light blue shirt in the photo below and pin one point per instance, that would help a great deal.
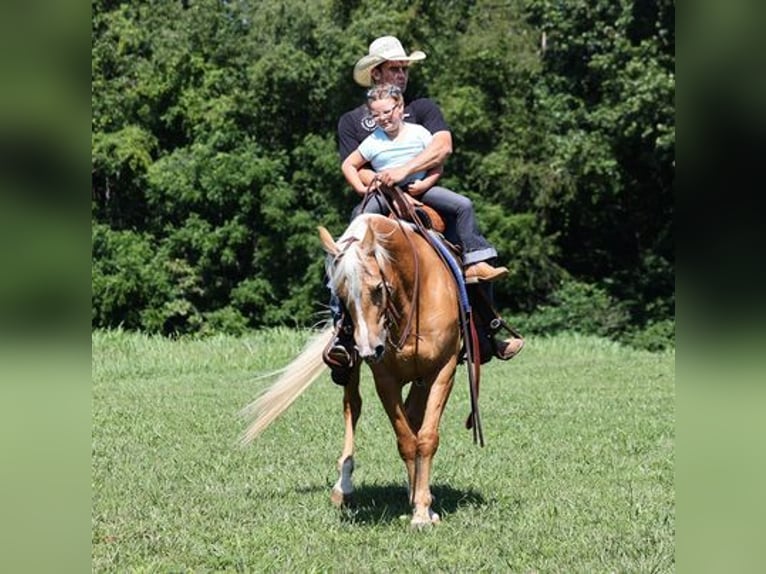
(384, 153)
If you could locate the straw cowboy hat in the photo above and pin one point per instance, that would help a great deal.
(384, 49)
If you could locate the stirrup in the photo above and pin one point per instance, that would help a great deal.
(340, 361)
(499, 323)
(337, 356)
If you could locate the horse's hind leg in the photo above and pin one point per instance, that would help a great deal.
(352, 408)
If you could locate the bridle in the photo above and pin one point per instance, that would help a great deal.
(393, 199)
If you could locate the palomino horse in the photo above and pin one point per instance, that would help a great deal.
(404, 304)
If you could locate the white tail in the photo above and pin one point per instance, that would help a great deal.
(293, 380)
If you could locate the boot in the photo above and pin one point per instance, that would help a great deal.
(508, 348)
(340, 355)
(483, 271)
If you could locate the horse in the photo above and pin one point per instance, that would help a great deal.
(404, 304)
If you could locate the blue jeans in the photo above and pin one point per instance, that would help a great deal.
(457, 210)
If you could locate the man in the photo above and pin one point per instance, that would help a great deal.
(388, 63)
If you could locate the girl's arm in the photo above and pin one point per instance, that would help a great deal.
(350, 167)
(420, 186)
(434, 155)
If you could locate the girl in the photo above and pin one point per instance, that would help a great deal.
(393, 143)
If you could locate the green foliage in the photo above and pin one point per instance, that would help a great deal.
(121, 160)
(214, 155)
(590, 310)
(582, 308)
(608, 79)
(656, 336)
(227, 320)
(532, 256)
(129, 276)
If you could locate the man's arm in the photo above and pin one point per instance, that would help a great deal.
(434, 155)
(348, 141)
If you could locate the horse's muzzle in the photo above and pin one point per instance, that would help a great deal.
(374, 355)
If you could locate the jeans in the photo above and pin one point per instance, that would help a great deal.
(336, 307)
(459, 216)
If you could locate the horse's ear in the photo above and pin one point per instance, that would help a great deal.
(328, 243)
(368, 243)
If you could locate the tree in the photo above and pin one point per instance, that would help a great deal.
(214, 154)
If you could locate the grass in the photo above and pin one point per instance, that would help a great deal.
(576, 476)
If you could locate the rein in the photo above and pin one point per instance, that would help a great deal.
(403, 209)
(392, 314)
(414, 315)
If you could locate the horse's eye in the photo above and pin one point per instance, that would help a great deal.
(377, 294)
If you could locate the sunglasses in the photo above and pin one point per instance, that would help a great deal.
(384, 114)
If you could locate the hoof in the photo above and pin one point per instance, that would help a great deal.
(339, 499)
(420, 522)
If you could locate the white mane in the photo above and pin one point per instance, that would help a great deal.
(348, 266)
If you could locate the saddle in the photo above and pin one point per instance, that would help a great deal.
(476, 327)
(428, 216)
(486, 320)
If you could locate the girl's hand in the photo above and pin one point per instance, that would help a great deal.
(417, 187)
(374, 185)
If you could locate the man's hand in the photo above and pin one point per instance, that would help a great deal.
(393, 176)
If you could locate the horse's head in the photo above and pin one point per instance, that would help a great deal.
(356, 267)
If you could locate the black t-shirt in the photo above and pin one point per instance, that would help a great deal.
(356, 125)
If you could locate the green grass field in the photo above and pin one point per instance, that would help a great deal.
(576, 475)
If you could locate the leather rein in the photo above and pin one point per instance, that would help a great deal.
(394, 198)
(392, 314)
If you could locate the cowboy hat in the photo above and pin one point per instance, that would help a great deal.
(383, 49)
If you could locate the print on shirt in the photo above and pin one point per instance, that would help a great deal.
(368, 124)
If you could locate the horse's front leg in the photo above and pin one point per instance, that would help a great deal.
(352, 408)
(428, 443)
(390, 392)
